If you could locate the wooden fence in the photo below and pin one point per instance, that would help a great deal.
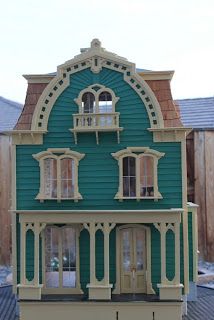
(200, 167)
(5, 200)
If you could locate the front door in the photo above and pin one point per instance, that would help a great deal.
(133, 260)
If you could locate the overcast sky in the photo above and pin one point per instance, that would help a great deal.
(36, 36)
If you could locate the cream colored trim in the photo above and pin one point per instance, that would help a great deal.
(87, 216)
(90, 310)
(13, 217)
(175, 134)
(146, 151)
(64, 153)
(61, 290)
(157, 75)
(95, 58)
(163, 228)
(81, 120)
(192, 208)
(20, 137)
(96, 96)
(185, 217)
(149, 288)
(38, 78)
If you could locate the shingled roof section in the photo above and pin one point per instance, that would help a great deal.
(9, 113)
(34, 91)
(197, 113)
(161, 89)
(169, 108)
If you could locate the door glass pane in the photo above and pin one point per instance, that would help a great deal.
(67, 178)
(52, 257)
(69, 257)
(147, 176)
(126, 250)
(139, 249)
(50, 178)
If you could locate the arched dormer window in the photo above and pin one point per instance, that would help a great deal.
(138, 176)
(96, 111)
(58, 174)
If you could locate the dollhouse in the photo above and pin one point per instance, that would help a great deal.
(101, 224)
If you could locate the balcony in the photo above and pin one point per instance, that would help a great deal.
(96, 122)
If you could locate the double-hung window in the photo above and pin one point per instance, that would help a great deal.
(58, 174)
(138, 175)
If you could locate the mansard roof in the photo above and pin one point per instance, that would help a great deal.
(157, 82)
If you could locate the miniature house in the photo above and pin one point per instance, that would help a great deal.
(101, 224)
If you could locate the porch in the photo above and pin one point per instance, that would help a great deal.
(102, 290)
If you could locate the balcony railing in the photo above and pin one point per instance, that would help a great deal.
(96, 122)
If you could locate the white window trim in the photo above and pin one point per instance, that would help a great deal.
(141, 152)
(64, 153)
(61, 290)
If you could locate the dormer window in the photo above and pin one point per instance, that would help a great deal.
(138, 175)
(96, 111)
(58, 174)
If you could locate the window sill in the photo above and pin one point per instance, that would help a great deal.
(155, 198)
(42, 198)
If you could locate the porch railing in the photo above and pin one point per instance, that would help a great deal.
(95, 121)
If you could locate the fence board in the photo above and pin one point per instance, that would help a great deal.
(209, 166)
(200, 189)
(5, 198)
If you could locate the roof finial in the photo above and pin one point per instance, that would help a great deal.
(95, 44)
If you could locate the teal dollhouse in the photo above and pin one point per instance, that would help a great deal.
(101, 224)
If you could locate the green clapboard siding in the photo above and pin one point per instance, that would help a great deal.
(190, 246)
(98, 170)
(29, 255)
(170, 254)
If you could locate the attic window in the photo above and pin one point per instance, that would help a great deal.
(96, 111)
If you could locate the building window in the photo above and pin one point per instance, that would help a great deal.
(61, 259)
(58, 174)
(138, 175)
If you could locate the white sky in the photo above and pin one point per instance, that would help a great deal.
(36, 36)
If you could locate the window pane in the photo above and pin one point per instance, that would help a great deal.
(67, 178)
(105, 106)
(129, 177)
(69, 257)
(52, 257)
(147, 176)
(88, 103)
(105, 102)
(50, 178)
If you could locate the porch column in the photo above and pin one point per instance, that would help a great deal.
(106, 230)
(177, 252)
(99, 290)
(30, 289)
(23, 253)
(169, 289)
(91, 229)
